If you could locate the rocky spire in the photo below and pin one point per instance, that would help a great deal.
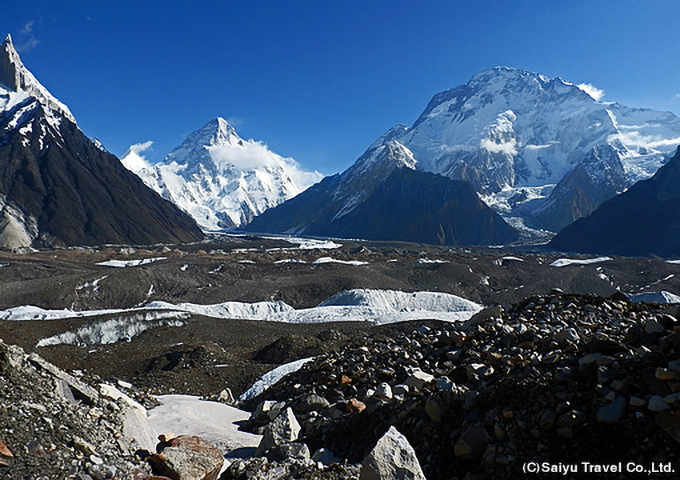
(15, 76)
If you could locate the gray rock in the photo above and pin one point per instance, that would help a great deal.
(280, 453)
(393, 458)
(477, 371)
(79, 389)
(418, 379)
(433, 410)
(567, 335)
(482, 316)
(283, 429)
(312, 403)
(227, 397)
(64, 391)
(384, 391)
(400, 390)
(674, 365)
(472, 443)
(657, 404)
(266, 411)
(653, 326)
(589, 358)
(11, 357)
(612, 412)
(83, 446)
(445, 384)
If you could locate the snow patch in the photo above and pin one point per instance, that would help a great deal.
(288, 261)
(272, 377)
(214, 422)
(659, 297)
(324, 260)
(563, 262)
(425, 261)
(129, 263)
(93, 284)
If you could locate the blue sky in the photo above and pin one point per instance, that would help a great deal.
(320, 80)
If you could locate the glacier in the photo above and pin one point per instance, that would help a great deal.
(359, 305)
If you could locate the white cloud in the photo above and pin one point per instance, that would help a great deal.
(133, 159)
(29, 44)
(637, 139)
(594, 92)
(28, 27)
(509, 147)
(141, 147)
(27, 39)
(251, 155)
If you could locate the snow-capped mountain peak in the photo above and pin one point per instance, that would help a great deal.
(220, 179)
(16, 77)
(508, 131)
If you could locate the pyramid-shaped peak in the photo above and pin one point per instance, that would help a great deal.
(15, 76)
(223, 132)
(216, 132)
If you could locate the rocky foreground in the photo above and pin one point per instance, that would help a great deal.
(556, 380)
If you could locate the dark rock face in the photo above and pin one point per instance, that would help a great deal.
(641, 221)
(423, 207)
(79, 194)
(395, 203)
(597, 178)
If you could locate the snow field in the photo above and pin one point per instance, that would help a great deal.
(361, 305)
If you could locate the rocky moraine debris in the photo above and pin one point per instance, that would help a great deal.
(55, 425)
(556, 379)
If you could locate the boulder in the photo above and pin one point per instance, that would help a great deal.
(312, 403)
(80, 390)
(384, 391)
(283, 429)
(281, 453)
(187, 458)
(612, 412)
(472, 443)
(433, 410)
(418, 379)
(266, 411)
(393, 458)
(11, 357)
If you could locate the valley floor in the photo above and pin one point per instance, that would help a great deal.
(204, 354)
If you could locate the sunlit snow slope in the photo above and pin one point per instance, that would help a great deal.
(221, 180)
(538, 147)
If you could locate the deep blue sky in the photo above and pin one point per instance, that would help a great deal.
(320, 80)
